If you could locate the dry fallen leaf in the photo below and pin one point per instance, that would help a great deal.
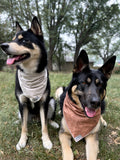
(114, 133)
(1, 152)
(118, 128)
(117, 140)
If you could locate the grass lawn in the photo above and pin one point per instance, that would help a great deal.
(10, 131)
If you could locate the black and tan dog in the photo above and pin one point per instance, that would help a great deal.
(82, 103)
(28, 53)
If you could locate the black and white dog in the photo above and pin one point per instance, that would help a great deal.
(32, 90)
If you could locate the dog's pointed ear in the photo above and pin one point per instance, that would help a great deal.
(36, 27)
(81, 62)
(18, 27)
(108, 67)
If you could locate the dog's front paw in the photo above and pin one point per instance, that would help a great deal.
(47, 144)
(104, 123)
(22, 143)
(54, 124)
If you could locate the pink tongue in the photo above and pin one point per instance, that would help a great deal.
(10, 61)
(90, 112)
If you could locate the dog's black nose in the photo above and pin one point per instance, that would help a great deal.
(4, 46)
(95, 103)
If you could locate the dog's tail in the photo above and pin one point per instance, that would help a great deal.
(59, 91)
(51, 113)
(51, 109)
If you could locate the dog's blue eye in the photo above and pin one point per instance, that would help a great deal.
(24, 41)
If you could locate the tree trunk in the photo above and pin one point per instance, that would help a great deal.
(77, 50)
(12, 17)
(51, 52)
(59, 64)
(50, 62)
(38, 11)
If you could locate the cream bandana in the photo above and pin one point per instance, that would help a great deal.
(33, 85)
(78, 123)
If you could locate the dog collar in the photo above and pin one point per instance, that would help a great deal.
(33, 85)
(78, 123)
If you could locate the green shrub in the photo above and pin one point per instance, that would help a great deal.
(117, 70)
(2, 63)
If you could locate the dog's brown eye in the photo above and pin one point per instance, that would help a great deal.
(99, 84)
(83, 83)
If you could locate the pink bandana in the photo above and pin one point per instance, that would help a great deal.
(78, 123)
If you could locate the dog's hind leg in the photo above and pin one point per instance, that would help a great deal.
(65, 140)
(92, 147)
(45, 137)
(23, 139)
